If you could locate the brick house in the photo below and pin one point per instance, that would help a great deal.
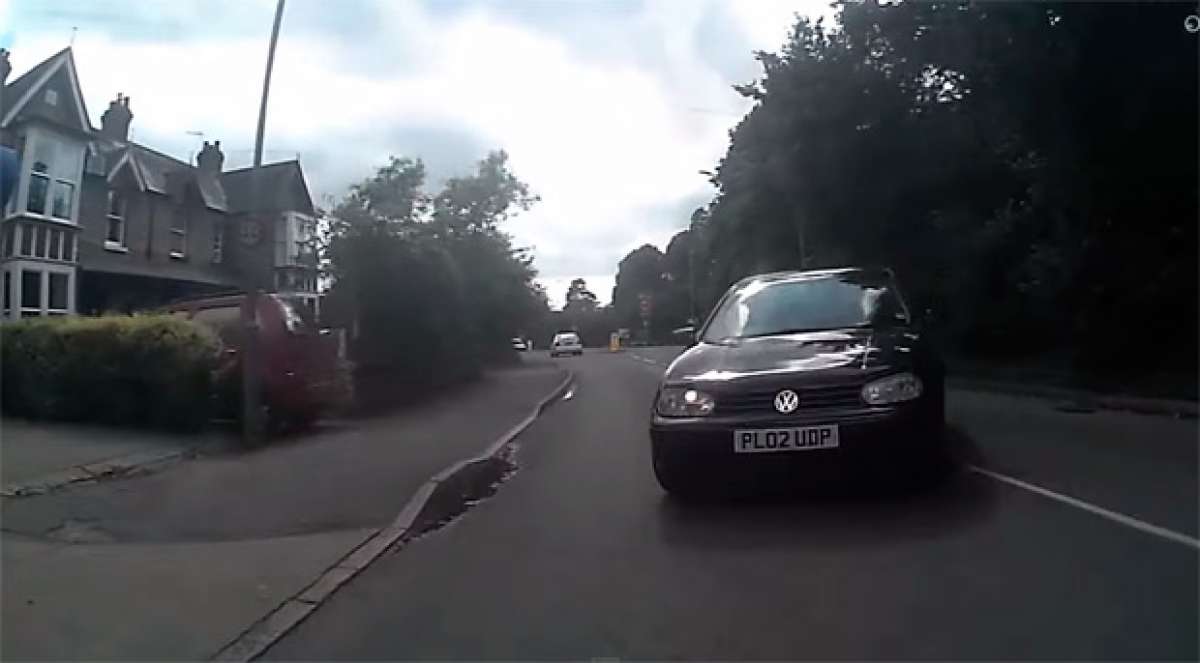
(97, 222)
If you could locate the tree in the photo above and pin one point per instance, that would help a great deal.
(579, 298)
(433, 285)
(642, 281)
(1028, 168)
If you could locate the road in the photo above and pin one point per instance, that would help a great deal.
(580, 554)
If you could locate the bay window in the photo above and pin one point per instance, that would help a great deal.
(39, 185)
(39, 289)
(54, 169)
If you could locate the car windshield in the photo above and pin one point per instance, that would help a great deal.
(767, 307)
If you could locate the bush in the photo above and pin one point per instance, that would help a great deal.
(146, 370)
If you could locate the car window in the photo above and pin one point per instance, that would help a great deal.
(765, 307)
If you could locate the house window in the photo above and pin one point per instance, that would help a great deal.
(178, 235)
(114, 233)
(304, 235)
(41, 240)
(31, 292)
(59, 283)
(7, 292)
(39, 184)
(53, 175)
(281, 241)
(51, 97)
(10, 239)
(26, 239)
(56, 244)
(218, 245)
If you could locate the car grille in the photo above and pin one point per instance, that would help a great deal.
(811, 398)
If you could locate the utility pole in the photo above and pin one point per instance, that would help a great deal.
(252, 406)
(262, 109)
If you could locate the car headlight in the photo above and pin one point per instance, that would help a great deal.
(684, 402)
(892, 389)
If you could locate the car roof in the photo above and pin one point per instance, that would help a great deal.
(214, 301)
(806, 274)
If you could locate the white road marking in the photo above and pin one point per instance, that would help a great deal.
(646, 360)
(1128, 521)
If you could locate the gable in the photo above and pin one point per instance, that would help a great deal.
(271, 188)
(300, 200)
(126, 173)
(50, 92)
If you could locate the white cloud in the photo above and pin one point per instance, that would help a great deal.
(610, 136)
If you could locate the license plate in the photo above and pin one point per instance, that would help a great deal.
(769, 440)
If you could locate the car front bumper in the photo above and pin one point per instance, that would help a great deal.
(871, 441)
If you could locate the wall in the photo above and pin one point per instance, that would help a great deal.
(253, 263)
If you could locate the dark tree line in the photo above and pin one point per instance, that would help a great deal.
(1030, 170)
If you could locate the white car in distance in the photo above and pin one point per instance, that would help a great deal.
(566, 343)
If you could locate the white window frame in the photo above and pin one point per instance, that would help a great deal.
(119, 245)
(218, 243)
(70, 308)
(7, 299)
(304, 230)
(281, 240)
(33, 137)
(22, 309)
(68, 246)
(179, 229)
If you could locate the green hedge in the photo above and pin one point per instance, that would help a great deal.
(145, 370)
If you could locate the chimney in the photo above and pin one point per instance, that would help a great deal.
(114, 123)
(210, 160)
(5, 67)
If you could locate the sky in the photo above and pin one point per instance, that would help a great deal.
(608, 108)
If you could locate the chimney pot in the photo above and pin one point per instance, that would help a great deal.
(5, 67)
(114, 123)
(210, 159)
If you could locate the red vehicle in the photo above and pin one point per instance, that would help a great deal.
(298, 363)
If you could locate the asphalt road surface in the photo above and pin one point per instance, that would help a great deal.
(1080, 544)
